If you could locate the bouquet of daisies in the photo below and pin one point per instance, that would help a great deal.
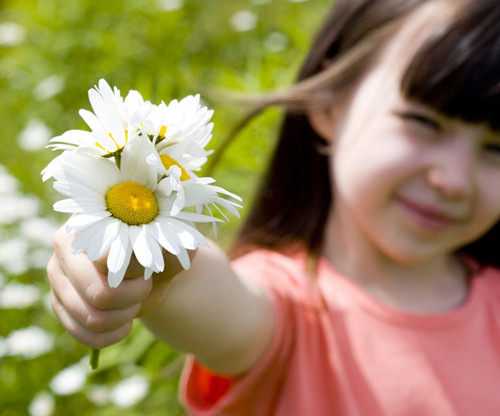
(130, 181)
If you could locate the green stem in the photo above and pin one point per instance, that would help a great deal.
(94, 359)
(118, 159)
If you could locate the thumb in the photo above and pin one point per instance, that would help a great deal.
(134, 269)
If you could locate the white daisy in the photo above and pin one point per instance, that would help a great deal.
(180, 132)
(113, 122)
(124, 210)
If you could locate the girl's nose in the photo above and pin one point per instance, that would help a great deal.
(452, 172)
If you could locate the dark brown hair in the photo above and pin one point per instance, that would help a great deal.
(457, 72)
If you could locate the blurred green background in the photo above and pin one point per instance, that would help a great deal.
(51, 53)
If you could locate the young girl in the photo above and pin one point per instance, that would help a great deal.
(365, 281)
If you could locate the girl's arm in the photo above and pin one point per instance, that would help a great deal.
(224, 319)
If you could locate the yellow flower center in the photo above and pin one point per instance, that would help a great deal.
(168, 162)
(132, 203)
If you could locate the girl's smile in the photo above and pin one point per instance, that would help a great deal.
(411, 186)
(431, 219)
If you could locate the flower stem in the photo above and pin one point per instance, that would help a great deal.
(118, 159)
(94, 359)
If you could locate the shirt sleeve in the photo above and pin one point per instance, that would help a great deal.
(255, 392)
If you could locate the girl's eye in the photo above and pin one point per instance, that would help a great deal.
(422, 120)
(494, 149)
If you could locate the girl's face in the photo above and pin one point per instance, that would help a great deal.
(408, 183)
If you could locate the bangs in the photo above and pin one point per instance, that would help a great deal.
(457, 71)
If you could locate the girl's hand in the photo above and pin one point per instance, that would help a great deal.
(91, 311)
(207, 310)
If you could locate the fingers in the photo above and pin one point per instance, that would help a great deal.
(89, 316)
(90, 283)
(93, 312)
(90, 338)
(134, 269)
(88, 308)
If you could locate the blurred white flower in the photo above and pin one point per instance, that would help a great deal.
(38, 258)
(170, 5)
(14, 207)
(47, 303)
(8, 183)
(34, 136)
(130, 391)
(42, 405)
(2, 279)
(18, 296)
(276, 42)
(98, 394)
(11, 34)
(48, 87)
(70, 380)
(3, 347)
(243, 21)
(13, 255)
(29, 342)
(38, 230)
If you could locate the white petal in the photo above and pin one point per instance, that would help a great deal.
(191, 216)
(179, 202)
(73, 138)
(105, 89)
(140, 245)
(98, 104)
(229, 205)
(119, 256)
(76, 222)
(165, 188)
(67, 205)
(104, 139)
(148, 273)
(146, 248)
(79, 205)
(163, 239)
(183, 234)
(117, 129)
(115, 278)
(52, 169)
(103, 239)
(85, 237)
(198, 194)
(83, 190)
(79, 167)
(133, 163)
(154, 160)
(91, 120)
(158, 264)
(184, 258)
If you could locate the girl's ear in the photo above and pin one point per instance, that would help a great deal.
(322, 121)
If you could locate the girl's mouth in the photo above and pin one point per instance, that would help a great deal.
(429, 218)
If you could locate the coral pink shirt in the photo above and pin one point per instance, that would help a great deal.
(356, 356)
